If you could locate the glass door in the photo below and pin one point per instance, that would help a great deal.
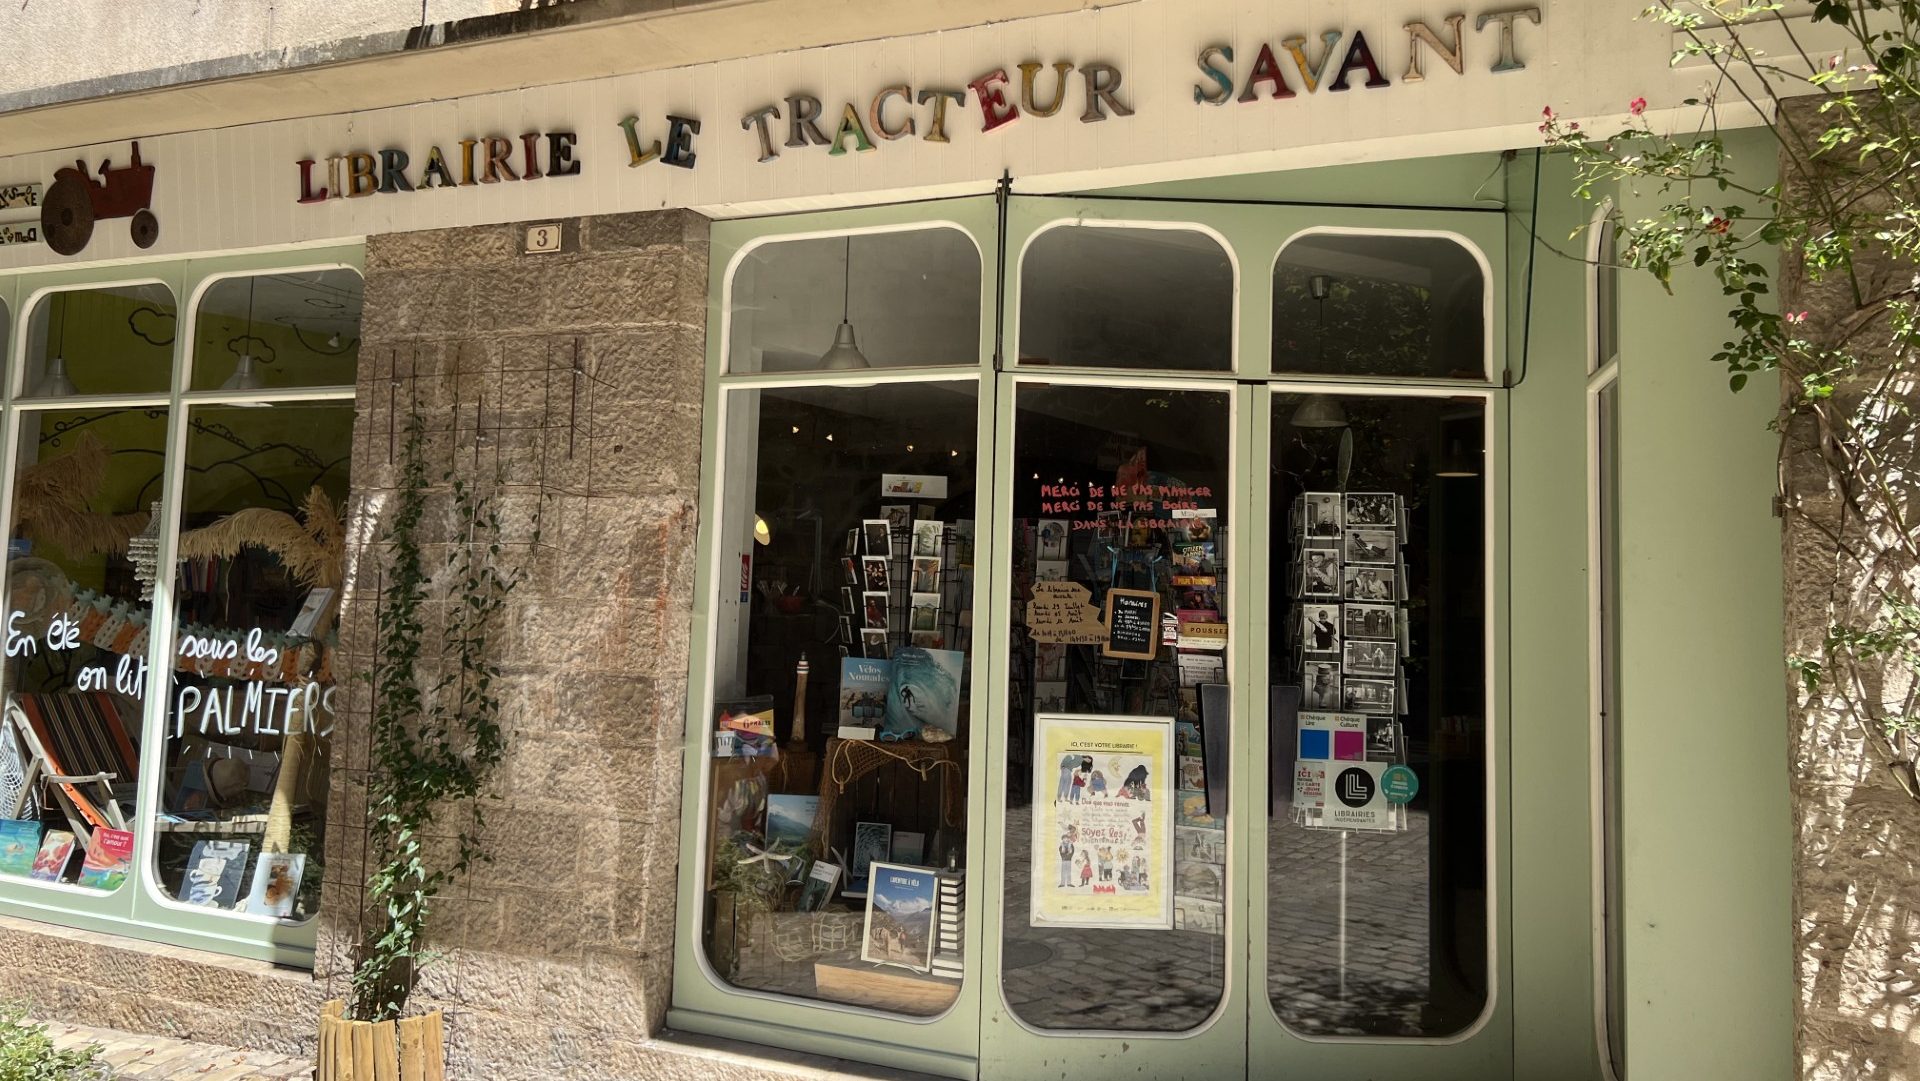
(1241, 629)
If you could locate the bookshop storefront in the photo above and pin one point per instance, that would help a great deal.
(1110, 541)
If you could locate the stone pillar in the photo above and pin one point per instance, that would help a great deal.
(1856, 872)
(571, 385)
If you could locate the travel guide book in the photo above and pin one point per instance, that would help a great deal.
(108, 861)
(899, 927)
(863, 691)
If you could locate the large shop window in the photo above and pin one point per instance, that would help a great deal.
(836, 811)
(1377, 891)
(229, 716)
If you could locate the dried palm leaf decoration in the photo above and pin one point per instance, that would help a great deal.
(51, 503)
(313, 547)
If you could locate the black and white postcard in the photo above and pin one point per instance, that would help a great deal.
(1367, 583)
(873, 644)
(1368, 621)
(1383, 739)
(1373, 546)
(1368, 695)
(1320, 573)
(1372, 659)
(1372, 510)
(1321, 686)
(1323, 514)
(1320, 631)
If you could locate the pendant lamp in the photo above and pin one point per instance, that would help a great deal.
(844, 354)
(54, 382)
(1320, 410)
(1458, 462)
(244, 376)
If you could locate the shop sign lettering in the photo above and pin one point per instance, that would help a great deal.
(1308, 69)
(898, 111)
(490, 159)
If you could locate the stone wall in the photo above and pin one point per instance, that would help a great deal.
(569, 385)
(1856, 883)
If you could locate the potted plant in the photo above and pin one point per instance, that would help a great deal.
(436, 740)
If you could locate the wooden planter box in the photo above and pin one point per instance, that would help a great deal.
(410, 1049)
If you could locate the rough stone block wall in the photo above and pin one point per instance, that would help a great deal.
(1856, 869)
(570, 385)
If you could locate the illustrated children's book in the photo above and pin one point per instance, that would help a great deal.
(214, 873)
(19, 841)
(108, 860)
(56, 851)
(276, 882)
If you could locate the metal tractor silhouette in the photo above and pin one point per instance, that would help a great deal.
(76, 201)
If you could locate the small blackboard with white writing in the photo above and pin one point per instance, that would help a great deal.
(1132, 617)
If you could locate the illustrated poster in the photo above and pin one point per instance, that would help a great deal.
(1103, 821)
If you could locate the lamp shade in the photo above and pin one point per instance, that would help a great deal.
(1319, 411)
(761, 534)
(844, 354)
(1459, 462)
(55, 384)
(244, 376)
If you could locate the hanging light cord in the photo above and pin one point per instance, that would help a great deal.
(251, 282)
(846, 283)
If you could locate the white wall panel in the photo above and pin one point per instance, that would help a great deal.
(236, 188)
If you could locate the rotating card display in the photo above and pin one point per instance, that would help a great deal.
(1347, 633)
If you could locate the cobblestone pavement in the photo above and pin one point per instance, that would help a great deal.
(156, 1058)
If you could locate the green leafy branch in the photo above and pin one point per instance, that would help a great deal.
(1846, 214)
(436, 739)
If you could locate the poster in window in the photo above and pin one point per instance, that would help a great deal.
(1103, 821)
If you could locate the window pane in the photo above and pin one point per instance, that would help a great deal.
(278, 330)
(1116, 829)
(110, 340)
(837, 812)
(1126, 297)
(243, 815)
(1377, 860)
(905, 299)
(80, 579)
(1606, 281)
(1379, 305)
(1607, 455)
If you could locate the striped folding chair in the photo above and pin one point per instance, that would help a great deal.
(77, 746)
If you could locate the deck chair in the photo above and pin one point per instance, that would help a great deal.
(77, 747)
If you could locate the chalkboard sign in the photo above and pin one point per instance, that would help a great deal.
(1132, 617)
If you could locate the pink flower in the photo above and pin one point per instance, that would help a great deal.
(1719, 225)
(1547, 112)
(1575, 126)
(1795, 318)
(1637, 106)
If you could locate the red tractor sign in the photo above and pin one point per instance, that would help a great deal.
(76, 201)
